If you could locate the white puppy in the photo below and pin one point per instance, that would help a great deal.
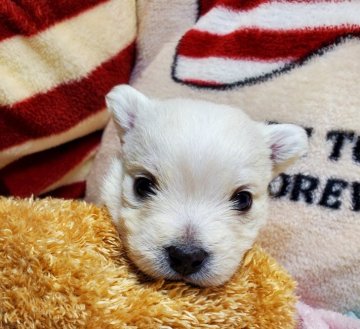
(189, 192)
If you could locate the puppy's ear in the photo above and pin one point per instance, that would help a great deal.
(287, 143)
(125, 103)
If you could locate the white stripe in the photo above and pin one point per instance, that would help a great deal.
(222, 70)
(281, 16)
(64, 52)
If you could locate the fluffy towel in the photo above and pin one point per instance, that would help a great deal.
(61, 267)
(57, 61)
(310, 318)
(282, 61)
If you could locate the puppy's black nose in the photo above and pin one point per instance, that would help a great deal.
(186, 260)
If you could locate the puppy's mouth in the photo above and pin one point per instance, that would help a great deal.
(161, 263)
(196, 279)
(161, 269)
(203, 279)
(204, 275)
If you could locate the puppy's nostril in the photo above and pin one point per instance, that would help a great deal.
(186, 260)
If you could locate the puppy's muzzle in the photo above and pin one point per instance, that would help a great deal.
(186, 260)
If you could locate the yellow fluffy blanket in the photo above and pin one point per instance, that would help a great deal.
(62, 266)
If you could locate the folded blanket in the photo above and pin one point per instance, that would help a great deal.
(57, 61)
(283, 61)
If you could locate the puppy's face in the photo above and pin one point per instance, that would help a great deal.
(189, 193)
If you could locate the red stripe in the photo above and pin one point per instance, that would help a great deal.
(207, 5)
(71, 191)
(203, 83)
(34, 173)
(65, 106)
(260, 44)
(28, 17)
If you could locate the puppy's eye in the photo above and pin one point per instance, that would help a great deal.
(144, 187)
(242, 200)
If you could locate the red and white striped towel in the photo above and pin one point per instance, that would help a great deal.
(57, 61)
(238, 43)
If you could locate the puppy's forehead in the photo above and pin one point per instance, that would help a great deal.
(197, 140)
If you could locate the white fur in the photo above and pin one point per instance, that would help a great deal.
(199, 153)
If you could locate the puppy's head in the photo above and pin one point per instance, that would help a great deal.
(189, 193)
